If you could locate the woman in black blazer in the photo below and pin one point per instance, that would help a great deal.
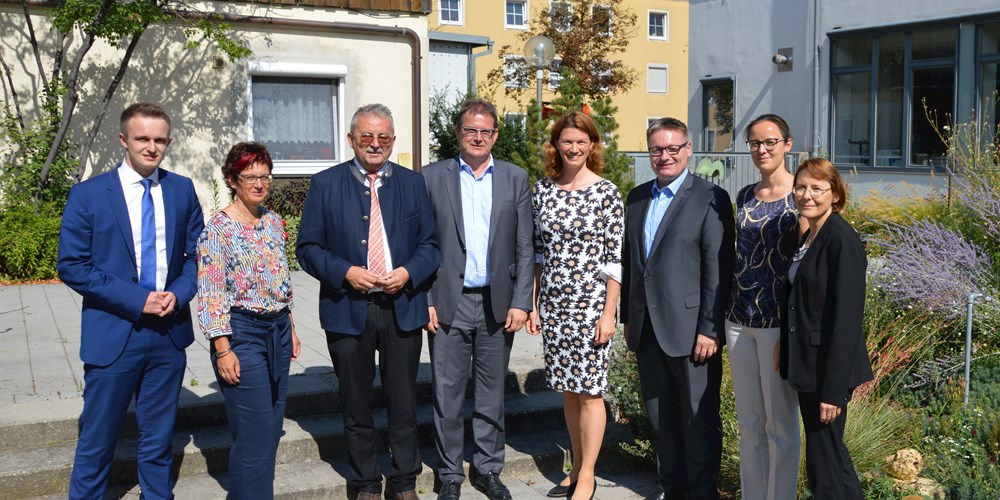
(823, 353)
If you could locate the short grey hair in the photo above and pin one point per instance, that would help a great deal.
(376, 109)
(666, 124)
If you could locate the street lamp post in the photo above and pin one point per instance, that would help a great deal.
(539, 52)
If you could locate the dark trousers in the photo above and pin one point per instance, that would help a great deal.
(354, 362)
(682, 399)
(828, 464)
(475, 336)
(255, 408)
(150, 369)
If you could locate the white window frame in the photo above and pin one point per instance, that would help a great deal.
(506, 64)
(569, 5)
(520, 117)
(555, 77)
(525, 13)
(338, 72)
(666, 83)
(611, 17)
(461, 14)
(666, 25)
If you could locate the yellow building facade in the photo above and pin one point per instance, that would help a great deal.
(657, 52)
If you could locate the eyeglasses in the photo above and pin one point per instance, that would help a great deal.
(250, 180)
(813, 191)
(470, 132)
(366, 139)
(671, 150)
(769, 144)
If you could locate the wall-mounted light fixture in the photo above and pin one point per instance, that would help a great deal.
(783, 59)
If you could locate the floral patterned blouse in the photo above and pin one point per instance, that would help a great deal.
(241, 266)
(766, 239)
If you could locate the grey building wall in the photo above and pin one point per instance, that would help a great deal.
(738, 37)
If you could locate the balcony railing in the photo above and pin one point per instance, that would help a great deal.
(730, 170)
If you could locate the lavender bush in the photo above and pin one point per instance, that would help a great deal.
(931, 266)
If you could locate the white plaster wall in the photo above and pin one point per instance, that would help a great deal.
(208, 106)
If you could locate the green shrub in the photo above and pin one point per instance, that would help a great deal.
(29, 241)
(292, 229)
(287, 197)
(959, 456)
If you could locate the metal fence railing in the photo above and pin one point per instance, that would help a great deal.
(730, 170)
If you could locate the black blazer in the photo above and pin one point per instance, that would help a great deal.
(822, 335)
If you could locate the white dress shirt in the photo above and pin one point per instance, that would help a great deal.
(133, 189)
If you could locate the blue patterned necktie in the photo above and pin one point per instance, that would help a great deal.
(147, 269)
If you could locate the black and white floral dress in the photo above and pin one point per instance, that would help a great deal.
(578, 242)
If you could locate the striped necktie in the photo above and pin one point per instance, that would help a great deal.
(376, 249)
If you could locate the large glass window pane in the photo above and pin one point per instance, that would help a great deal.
(852, 51)
(990, 91)
(889, 119)
(989, 38)
(853, 118)
(932, 43)
(933, 91)
(295, 117)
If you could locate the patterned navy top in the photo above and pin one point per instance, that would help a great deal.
(766, 239)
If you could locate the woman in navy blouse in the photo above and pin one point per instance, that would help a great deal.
(244, 308)
(767, 231)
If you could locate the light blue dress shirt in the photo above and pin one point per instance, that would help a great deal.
(477, 205)
(658, 207)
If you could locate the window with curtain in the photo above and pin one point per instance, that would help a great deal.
(295, 117)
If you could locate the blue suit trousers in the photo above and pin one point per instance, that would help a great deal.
(151, 369)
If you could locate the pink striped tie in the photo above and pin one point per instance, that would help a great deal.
(376, 249)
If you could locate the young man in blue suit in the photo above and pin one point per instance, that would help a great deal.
(127, 245)
(367, 234)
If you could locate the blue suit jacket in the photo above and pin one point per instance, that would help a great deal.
(97, 260)
(333, 237)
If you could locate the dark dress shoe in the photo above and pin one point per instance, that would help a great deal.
(560, 491)
(659, 494)
(407, 495)
(367, 495)
(572, 490)
(452, 490)
(490, 485)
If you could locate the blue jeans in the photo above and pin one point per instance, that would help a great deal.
(255, 408)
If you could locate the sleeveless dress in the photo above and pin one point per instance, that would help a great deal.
(578, 242)
(766, 239)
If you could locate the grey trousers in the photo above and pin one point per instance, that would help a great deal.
(474, 338)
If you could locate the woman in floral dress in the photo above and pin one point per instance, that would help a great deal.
(578, 239)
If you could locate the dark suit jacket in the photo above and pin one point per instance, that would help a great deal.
(97, 260)
(822, 338)
(333, 237)
(684, 284)
(511, 255)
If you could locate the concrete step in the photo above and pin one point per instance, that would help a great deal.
(42, 424)
(204, 449)
(527, 455)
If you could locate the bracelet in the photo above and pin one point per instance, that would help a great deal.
(223, 353)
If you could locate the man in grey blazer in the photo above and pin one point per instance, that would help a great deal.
(481, 296)
(678, 260)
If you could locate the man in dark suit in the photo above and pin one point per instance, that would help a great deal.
(127, 245)
(367, 234)
(481, 296)
(678, 259)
